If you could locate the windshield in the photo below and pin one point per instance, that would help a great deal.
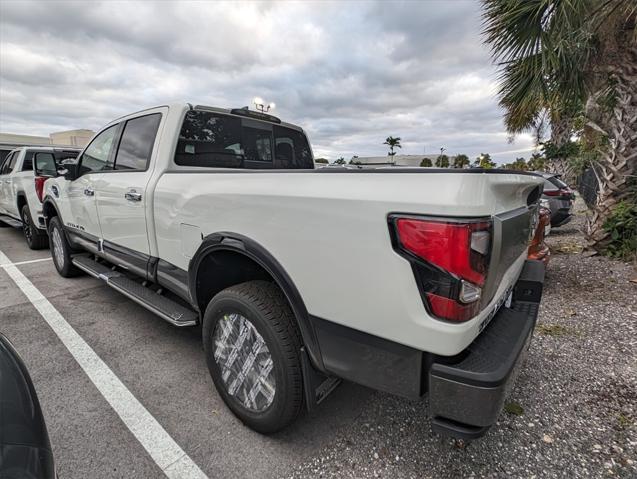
(216, 140)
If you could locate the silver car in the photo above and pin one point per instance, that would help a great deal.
(560, 199)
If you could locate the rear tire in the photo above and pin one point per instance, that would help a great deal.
(61, 250)
(35, 239)
(253, 347)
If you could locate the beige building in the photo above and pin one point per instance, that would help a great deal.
(75, 138)
(79, 138)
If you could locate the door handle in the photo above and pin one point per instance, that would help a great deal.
(89, 191)
(132, 195)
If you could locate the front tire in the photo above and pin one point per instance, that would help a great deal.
(35, 239)
(61, 250)
(252, 347)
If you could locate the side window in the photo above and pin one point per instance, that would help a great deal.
(96, 155)
(5, 164)
(9, 164)
(210, 139)
(292, 149)
(27, 164)
(3, 155)
(136, 144)
(45, 164)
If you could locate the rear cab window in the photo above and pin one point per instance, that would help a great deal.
(218, 140)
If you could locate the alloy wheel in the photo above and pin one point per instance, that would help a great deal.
(246, 365)
(58, 249)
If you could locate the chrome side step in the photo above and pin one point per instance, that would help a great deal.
(165, 308)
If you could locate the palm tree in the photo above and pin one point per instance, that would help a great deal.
(442, 161)
(461, 161)
(393, 143)
(519, 164)
(561, 57)
(536, 162)
(484, 161)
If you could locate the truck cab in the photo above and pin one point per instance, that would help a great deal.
(22, 176)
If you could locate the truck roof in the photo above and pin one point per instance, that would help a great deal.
(48, 148)
(243, 112)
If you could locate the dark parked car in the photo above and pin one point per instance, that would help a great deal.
(560, 198)
(25, 449)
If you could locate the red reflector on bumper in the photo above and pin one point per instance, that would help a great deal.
(450, 309)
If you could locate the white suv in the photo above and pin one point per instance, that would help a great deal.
(22, 176)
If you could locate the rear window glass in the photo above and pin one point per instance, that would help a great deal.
(558, 183)
(292, 149)
(136, 144)
(549, 186)
(27, 165)
(209, 139)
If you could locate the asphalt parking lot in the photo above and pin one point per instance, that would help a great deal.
(162, 366)
(573, 413)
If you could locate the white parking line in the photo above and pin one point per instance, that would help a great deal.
(2, 264)
(162, 448)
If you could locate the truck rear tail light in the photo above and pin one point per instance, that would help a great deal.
(450, 260)
(39, 186)
(449, 309)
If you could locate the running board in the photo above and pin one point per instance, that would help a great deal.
(10, 221)
(165, 308)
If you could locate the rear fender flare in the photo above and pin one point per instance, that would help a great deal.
(225, 241)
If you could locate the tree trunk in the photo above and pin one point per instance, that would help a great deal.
(561, 128)
(617, 165)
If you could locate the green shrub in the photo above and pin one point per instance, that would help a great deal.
(622, 226)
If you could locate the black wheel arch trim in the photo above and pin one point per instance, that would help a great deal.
(49, 201)
(227, 241)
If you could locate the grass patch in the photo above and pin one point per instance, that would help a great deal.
(624, 421)
(514, 408)
(555, 330)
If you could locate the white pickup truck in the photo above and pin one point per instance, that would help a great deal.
(413, 281)
(22, 175)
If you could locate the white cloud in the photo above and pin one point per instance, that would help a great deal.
(350, 73)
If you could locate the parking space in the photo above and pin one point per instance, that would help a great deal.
(162, 366)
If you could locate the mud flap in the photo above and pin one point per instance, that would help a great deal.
(316, 386)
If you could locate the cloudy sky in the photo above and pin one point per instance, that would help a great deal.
(350, 73)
